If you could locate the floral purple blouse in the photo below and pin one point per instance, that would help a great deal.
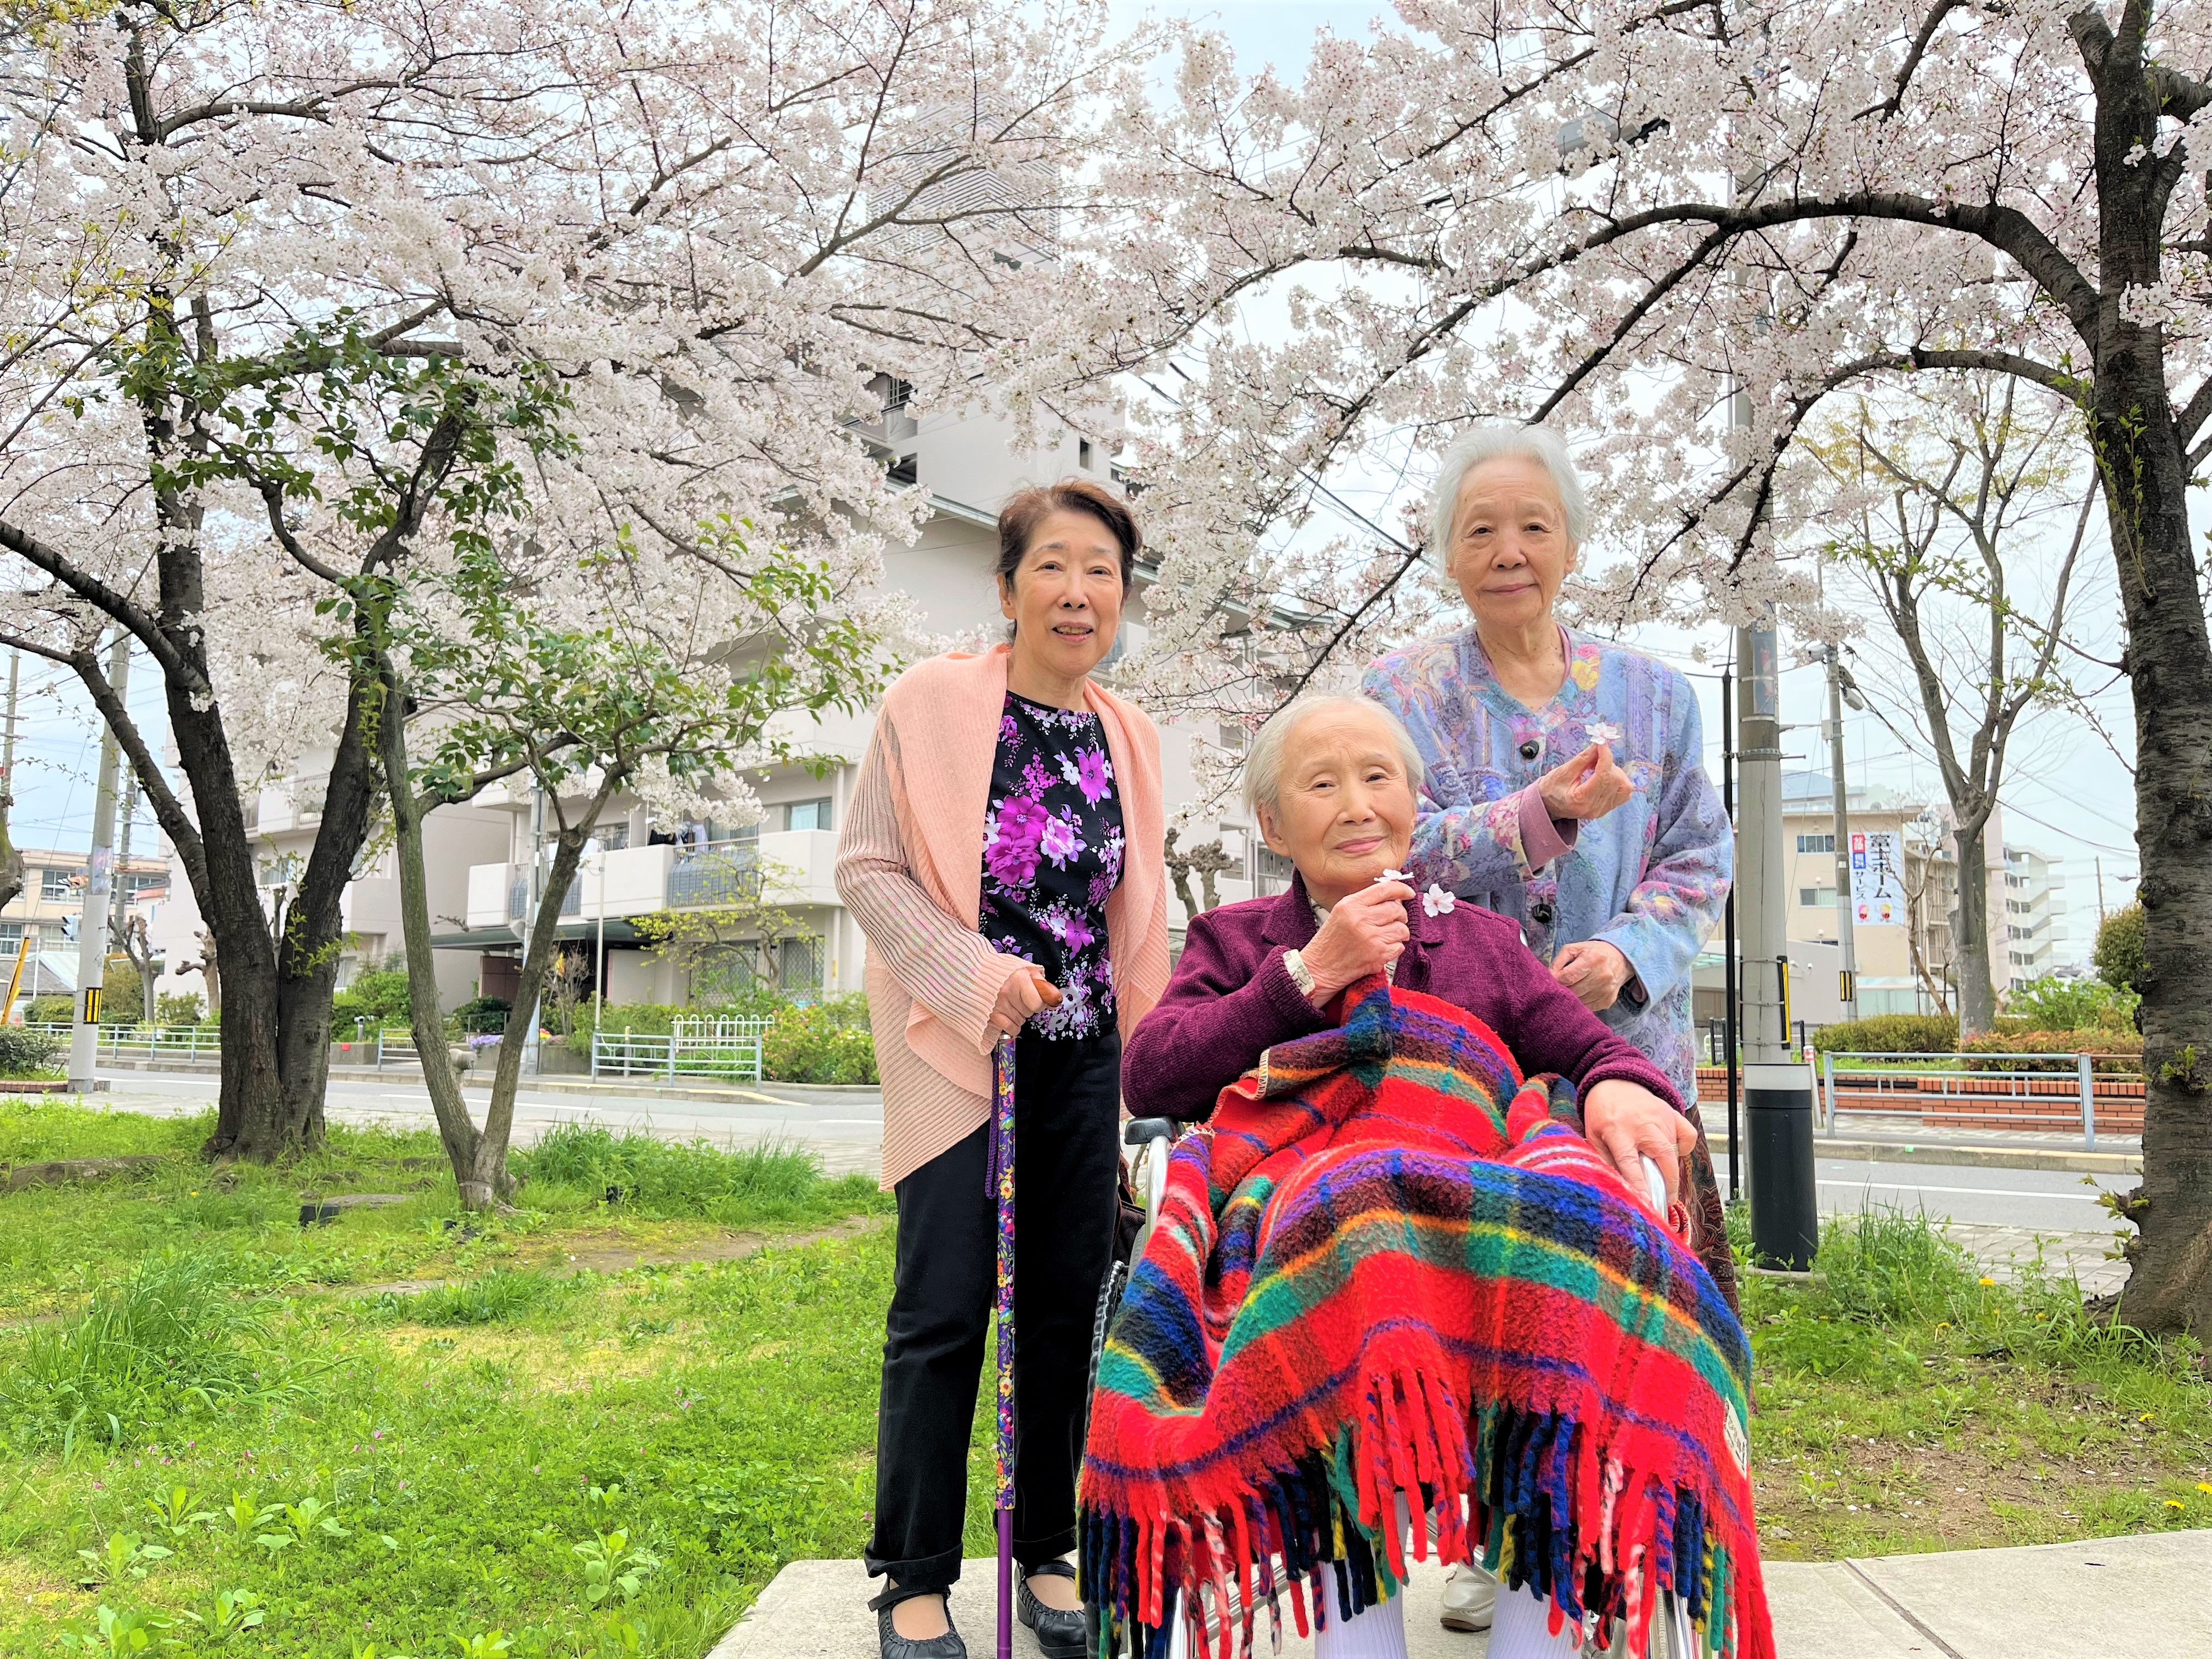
(1649, 877)
(1052, 853)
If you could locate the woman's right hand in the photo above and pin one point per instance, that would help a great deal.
(1587, 787)
(1365, 934)
(1022, 995)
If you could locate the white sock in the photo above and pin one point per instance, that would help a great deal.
(1377, 1633)
(1521, 1628)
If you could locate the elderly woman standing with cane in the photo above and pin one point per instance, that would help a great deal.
(1008, 817)
(1565, 785)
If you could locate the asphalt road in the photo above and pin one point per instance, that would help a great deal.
(846, 1126)
(2047, 1201)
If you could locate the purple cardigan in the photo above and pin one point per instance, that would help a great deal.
(1230, 997)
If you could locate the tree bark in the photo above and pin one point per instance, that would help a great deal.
(2142, 452)
(1977, 1002)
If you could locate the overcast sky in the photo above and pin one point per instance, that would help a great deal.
(2067, 795)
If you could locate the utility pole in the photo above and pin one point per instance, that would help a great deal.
(1785, 1217)
(1837, 693)
(92, 924)
(1730, 1025)
(11, 747)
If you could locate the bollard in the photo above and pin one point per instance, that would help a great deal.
(2085, 1069)
(1828, 1077)
(1785, 1210)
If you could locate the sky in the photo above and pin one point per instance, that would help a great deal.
(2067, 795)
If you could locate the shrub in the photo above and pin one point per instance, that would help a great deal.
(378, 993)
(1891, 1034)
(2119, 952)
(2117, 1052)
(51, 1010)
(179, 1008)
(825, 1042)
(645, 1018)
(2051, 1004)
(122, 995)
(24, 1052)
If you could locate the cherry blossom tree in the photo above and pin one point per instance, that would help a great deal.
(1636, 218)
(1938, 495)
(307, 294)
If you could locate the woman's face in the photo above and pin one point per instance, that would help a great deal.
(1065, 597)
(1345, 812)
(1509, 550)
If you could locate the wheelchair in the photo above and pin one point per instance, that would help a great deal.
(1150, 1141)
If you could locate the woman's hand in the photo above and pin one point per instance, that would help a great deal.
(1018, 997)
(1365, 932)
(1587, 787)
(1627, 1123)
(1594, 970)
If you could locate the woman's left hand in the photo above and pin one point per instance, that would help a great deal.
(1628, 1123)
(1594, 970)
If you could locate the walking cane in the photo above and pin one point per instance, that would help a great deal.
(1001, 1183)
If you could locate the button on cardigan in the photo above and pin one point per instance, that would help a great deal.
(910, 869)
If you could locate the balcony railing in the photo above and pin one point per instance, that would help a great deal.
(720, 873)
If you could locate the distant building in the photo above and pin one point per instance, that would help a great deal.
(47, 911)
(2034, 916)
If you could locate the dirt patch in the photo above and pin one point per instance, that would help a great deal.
(577, 1255)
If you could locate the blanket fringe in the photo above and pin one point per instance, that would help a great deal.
(1595, 1529)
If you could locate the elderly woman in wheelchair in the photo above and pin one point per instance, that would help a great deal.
(1423, 1278)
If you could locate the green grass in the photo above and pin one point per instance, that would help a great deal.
(1904, 1401)
(393, 1434)
(212, 1402)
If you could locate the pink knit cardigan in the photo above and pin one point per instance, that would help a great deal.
(910, 869)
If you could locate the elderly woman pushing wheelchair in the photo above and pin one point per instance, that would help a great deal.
(1415, 1273)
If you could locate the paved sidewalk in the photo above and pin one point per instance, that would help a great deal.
(2146, 1597)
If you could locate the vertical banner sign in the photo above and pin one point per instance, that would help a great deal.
(1877, 879)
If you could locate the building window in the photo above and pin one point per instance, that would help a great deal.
(1817, 898)
(1082, 453)
(799, 965)
(1271, 871)
(612, 837)
(1816, 843)
(56, 884)
(905, 470)
(807, 815)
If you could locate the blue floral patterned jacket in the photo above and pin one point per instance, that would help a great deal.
(1649, 877)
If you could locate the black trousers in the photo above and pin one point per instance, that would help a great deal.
(1067, 1112)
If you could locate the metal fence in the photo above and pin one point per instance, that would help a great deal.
(146, 1042)
(696, 1048)
(2012, 1096)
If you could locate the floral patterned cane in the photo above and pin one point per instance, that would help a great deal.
(1001, 1184)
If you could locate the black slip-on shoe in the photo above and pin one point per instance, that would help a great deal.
(1061, 1632)
(895, 1646)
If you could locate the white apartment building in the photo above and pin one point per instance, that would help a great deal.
(2034, 916)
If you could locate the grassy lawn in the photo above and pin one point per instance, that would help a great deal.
(599, 1428)
(1905, 1402)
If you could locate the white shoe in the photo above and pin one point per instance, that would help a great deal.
(1470, 1598)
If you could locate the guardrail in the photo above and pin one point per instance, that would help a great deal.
(1981, 1098)
(720, 1047)
(145, 1042)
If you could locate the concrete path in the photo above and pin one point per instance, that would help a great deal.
(2146, 1597)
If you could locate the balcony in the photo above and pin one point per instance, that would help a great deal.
(638, 880)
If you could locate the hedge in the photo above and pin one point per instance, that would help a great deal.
(1891, 1034)
(2115, 1051)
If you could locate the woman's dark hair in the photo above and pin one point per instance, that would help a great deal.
(1026, 509)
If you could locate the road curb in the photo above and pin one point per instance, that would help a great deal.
(2056, 1159)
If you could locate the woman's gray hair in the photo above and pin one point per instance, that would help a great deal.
(1263, 762)
(1492, 443)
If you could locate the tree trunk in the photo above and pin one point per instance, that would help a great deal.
(1978, 1004)
(2139, 451)
(425, 1017)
